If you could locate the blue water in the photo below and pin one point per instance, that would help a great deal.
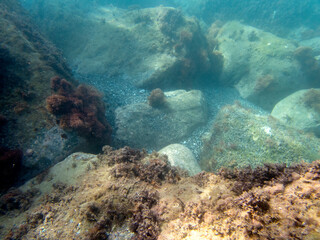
(296, 20)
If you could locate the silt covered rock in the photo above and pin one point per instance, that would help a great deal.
(241, 137)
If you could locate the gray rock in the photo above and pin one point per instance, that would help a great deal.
(181, 156)
(295, 111)
(314, 43)
(241, 137)
(141, 126)
(260, 65)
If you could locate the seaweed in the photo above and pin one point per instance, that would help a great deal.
(157, 99)
(128, 163)
(248, 178)
(79, 108)
(145, 222)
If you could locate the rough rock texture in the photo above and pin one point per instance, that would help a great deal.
(126, 194)
(181, 156)
(141, 126)
(27, 62)
(240, 137)
(299, 110)
(153, 47)
(260, 65)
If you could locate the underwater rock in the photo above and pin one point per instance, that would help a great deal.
(300, 110)
(313, 43)
(310, 66)
(260, 65)
(240, 137)
(91, 197)
(67, 172)
(141, 126)
(27, 62)
(80, 109)
(181, 156)
(152, 47)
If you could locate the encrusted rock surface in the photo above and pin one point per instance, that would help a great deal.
(129, 194)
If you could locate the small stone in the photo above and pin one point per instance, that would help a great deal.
(29, 152)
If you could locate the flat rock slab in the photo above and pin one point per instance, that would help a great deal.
(141, 126)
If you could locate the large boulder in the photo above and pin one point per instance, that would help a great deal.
(300, 110)
(27, 62)
(240, 137)
(143, 126)
(259, 64)
(152, 47)
(181, 156)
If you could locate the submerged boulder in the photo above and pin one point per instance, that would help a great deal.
(181, 156)
(143, 126)
(240, 137)
(300, 110)
(259, 64)
(152, 47)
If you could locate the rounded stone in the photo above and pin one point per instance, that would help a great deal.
(181, 156)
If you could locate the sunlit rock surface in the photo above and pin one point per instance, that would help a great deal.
(142, 126)
(126, 194)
